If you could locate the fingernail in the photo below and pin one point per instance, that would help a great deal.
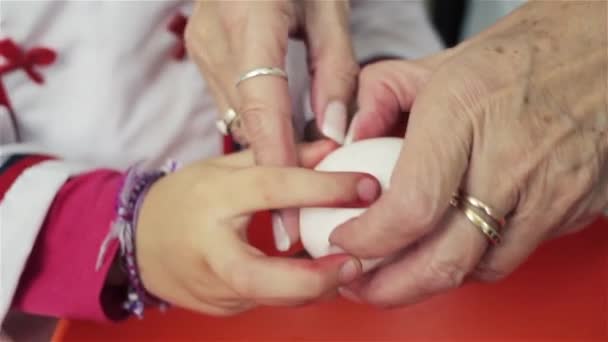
(350, 135)
(368, 190)
(350, 271)
(281, 239)
(334, 124)
(348, 294)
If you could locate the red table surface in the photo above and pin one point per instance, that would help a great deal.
(561, 292)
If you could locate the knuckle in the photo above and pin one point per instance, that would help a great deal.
(241, 281)
(194, 39)
(349, 70)
(254, 114)
(315, 286)
(234, 25)
(443, 275)
(370, 73)
(417, 211)
(345, 71)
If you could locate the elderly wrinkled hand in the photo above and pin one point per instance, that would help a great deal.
(517, 117)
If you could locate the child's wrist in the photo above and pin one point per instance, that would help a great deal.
(124, 271)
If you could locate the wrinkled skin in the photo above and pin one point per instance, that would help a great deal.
(516, 117)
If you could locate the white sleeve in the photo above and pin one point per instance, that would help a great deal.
(394, 28)
(22, 213)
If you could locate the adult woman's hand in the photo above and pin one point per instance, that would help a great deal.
(191, 235)
(516, 117)
(227, 39)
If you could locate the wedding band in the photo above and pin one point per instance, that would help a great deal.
(224, 124)
(264, 71)
(485, 208)
(479, 205)
(487, 227)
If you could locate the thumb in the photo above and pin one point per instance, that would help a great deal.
(430, 168)
(387, 90)
(333, 65)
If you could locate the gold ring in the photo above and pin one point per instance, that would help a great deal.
(490, 232)
(487, 227)
(264, 71)
(485, 208)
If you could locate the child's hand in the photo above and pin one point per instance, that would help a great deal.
(191, 235)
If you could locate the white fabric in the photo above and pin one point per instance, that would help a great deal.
(392, 28)
(21, 214)
(115, 95)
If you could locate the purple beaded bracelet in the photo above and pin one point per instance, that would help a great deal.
(136, 184)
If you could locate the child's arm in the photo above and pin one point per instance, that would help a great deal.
(50, 269)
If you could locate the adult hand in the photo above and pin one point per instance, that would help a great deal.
(516, 117)
(228, 39)
(191, 235)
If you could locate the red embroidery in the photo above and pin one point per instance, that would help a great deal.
(15, 59)
(27, 60)
(177, 26)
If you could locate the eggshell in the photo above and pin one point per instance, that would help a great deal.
(373, 156)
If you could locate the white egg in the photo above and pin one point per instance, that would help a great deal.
(373, 156)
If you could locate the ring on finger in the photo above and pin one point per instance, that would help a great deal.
(489, 226)
(489, 211)
(231, 124)
(263, 71)
(224, 124)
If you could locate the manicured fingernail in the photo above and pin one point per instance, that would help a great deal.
(350, 135)
(350, 271)
(334, 124)
(368, 190)
(348, 294)
(281, 239)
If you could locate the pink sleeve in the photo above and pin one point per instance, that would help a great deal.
(60, 278)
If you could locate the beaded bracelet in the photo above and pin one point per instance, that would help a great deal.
(136, 184)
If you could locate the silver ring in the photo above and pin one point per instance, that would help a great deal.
(264, 71)
(223, 124)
